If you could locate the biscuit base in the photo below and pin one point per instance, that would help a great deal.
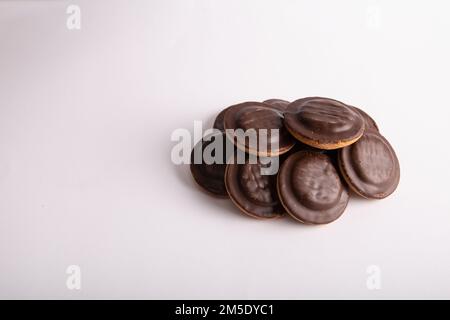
(324, 146)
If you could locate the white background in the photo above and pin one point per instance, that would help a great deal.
(85, 123)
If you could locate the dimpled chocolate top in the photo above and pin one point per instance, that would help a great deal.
(255, 194)
(323, 121)
(210, 176)
(370, 166)
(310, 188)
(257, 116)
(277, 103)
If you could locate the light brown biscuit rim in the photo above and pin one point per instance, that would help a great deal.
(246, 212)
(324, 146)
(295, 216)
(244, 148)
(353, 186)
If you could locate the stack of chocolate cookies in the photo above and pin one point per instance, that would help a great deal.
(324, 148)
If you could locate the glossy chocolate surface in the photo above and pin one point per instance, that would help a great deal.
(255, 194)
(370, 166)
(277, 103)
(323, 122)
(257, 116)
(310, 188)
(210, 176)
(369, 123)
(218, 122)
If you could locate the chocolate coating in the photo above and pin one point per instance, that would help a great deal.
(277, 103)
(257, 116)
(369, 123)
(210, 176)
(253, 193)
(310, 188)
(370, 166)
(218, 122)
(323, 123)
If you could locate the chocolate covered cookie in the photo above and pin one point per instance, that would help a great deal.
(370, 166)
(310, 188)
(257, 120)
(210, 177)
(252, 192)
(323, 123)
